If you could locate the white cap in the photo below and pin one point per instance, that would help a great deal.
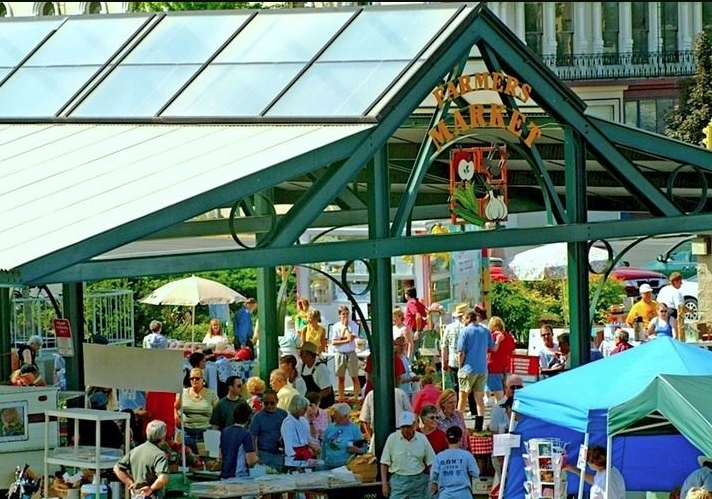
(406, 418)
(645, 288)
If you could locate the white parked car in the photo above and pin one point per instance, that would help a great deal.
(689, 291)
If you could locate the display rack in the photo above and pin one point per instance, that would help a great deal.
(92, 457)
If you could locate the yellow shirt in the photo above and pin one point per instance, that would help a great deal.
(646, 310)
(315, 335)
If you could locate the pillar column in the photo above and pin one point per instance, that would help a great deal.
(696, 18)
(576, 209)
(684, 40)
(597, 27)
(520, 23)
(580, 41)
(655, 42)
(5, 331)
(549, 27)
(625, 34)
(704, 281)
(73, 307)
(381, 303)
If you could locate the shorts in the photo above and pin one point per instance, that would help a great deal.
(495, 382)
(343, 361)
(471, 382)
(273, 460)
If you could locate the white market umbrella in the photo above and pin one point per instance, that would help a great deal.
(548, 261)
(192, 291)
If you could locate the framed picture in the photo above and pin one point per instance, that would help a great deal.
(547, 475)
(13, 416)
(545, 463)
(547, 490)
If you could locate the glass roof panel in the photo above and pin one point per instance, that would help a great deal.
(283, 37)
(63, 64)
(135, 91)
(258, 64)
(337, 89)
(41, 92)
(378, 35)
(155, 70)
(234, 90)
(185, 39)
(362, 62)
(17, 39)
(85, 41)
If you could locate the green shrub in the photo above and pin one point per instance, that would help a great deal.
(523, 305)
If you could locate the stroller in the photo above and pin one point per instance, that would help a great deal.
(25, 484)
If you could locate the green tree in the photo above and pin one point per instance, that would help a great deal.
(173, 6)
(694, 110)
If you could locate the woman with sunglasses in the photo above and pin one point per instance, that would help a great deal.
(449, 415)
(198, 402)
(429, 418)
(663, 324)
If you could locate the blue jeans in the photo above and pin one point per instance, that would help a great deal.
(192, 437)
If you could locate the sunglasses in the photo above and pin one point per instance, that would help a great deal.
(516, 387)
(432, 417)
(195, 378)
(239, 387)
(270, 403)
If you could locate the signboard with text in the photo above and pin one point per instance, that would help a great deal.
(63, 331)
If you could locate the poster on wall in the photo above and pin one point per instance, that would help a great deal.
(14, 421)
(465, 276)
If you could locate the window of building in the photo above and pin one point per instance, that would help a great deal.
(648, 114)
(534, 25)
(668, 26)
(564, 34)
(94, 8)
(639, 21)
(610, 24)
(707, 18)
(47, 9)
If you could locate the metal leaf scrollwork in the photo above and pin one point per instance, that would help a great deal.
(249, 206)
(703, 186)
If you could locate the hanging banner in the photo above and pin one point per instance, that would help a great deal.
(63, 333)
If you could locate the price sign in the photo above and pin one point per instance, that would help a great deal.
(63, 332)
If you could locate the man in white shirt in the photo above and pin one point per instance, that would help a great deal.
(406, 457)
(671, 294)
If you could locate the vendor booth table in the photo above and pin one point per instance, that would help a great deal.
(325, 483)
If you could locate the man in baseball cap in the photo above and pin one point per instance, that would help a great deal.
(407, 456)
(646, 308)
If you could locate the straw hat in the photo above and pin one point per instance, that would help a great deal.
(460, 310)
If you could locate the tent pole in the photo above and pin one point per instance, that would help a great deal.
(582, 476)
(505, 464)
(192, 330)
(609, 453)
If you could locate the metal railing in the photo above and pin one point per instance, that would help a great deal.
(617, 66)
(110, 313)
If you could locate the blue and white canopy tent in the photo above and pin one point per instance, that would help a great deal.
(574, 406)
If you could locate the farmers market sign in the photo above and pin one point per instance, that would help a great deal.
(483, 116)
